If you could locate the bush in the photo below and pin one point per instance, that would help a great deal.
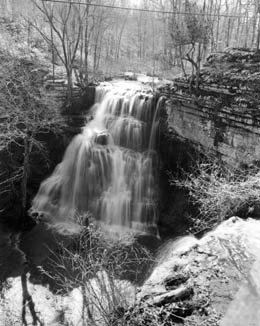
(100, 267)
(28, 117)
(219, 193)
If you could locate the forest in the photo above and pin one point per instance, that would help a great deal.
(94, 40)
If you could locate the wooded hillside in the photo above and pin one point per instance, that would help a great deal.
(97, 38)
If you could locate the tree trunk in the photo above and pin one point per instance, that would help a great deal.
(247, 31)
(181, 60)
(228, 32)
(218, 24)
(86, 41)
(26, 167)
(95, 55)
(254, 28)
(198, 68)
(27, 299)
(120, 39)
(69, 87)
(53, 55)
(258, 35)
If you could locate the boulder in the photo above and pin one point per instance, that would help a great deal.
(217, 277)
(102, 138)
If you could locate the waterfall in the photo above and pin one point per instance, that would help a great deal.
(110, 168)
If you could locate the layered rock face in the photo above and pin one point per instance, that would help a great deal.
(223, 117)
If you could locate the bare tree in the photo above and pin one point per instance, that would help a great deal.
(26, 112)
(257, 19)
(190, 35)
(65, 29)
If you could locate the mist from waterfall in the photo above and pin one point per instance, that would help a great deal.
(110, 168)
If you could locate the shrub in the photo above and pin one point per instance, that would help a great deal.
(99, 266)
(219, 192)
(27, 115)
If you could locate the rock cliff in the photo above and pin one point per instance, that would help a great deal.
(222, 117)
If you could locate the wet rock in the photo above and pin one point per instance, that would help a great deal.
(102, 138)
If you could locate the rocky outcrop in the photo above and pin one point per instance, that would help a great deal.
(76, 116)
(212, 281)
(222, 117)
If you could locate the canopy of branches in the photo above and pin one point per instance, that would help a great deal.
(24, 106)
(97, 40)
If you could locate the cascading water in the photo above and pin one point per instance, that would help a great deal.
(110, 168)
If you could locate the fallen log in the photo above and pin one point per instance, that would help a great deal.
(180, 293)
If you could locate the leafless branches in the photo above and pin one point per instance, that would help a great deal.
(25, 112)
(219, 193)
(95, 264)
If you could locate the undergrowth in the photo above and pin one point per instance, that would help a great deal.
(218, 192)
(101, 267)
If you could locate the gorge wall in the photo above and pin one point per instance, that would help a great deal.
(223, 118)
